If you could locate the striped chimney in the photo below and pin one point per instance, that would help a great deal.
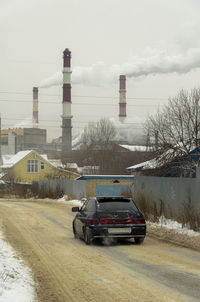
(66, 114)
(35, 107)
(122, 98)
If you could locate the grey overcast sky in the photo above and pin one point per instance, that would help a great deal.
(155, 42)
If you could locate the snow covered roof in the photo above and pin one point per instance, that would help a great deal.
(6, 157)
(84, 177)
(88, 169)
(134, 148)
(150, 164)
(58, 164)
(71, 166)
(157, 162)
(44, 156)
(10, 160)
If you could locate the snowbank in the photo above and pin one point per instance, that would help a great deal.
(174, 225)
(75, 202)
(172, 231)
(16, 284)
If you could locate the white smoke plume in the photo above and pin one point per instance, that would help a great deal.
(156, 62)
(25, 123)
(130, 131)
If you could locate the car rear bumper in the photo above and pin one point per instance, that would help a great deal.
(102, 231)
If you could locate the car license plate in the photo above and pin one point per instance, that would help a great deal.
(119, 230)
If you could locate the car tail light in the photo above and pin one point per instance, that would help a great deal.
(103, 221)
(138, 221)
(94, 221)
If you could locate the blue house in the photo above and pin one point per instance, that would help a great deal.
(177, 166)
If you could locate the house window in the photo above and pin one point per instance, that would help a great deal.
(42, 165)
(32, 166)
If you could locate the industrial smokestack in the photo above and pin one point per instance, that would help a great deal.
(35, 107)
(122, 98)
(66, 114)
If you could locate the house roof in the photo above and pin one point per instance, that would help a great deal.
(58, 164)
(168, 155)
(85, 177)
(149, 164)
(134, 148)
(11, 160)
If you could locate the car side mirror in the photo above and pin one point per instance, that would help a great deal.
(75, 209)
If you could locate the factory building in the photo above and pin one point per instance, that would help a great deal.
(19, 139)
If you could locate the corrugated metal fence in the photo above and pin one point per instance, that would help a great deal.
(173, 191)
(73, 188)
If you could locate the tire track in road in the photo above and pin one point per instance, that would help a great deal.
(184, 283)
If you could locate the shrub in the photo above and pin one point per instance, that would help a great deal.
(148, 207)
(190, 216)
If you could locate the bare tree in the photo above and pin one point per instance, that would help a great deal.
(11, 177)
(97, 144)
(98, 135)
(176, 127)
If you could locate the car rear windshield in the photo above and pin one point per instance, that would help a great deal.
(116, 205)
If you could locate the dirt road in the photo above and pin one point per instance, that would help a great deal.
(65, 269)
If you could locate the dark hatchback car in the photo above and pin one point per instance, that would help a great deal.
(109, 217)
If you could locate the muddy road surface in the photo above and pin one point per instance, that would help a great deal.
(65, 269)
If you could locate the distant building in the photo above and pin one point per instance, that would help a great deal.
(89, 170)
(19, 139)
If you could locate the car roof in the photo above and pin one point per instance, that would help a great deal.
(113, 198)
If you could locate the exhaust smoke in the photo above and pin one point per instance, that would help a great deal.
(157, 62)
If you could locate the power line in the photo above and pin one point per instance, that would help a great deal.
(80, 104)
(88, 96)
(6, 126)
(81, 122)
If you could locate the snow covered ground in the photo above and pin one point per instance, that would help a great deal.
(72, 202)
(16, 283)
(174, 225)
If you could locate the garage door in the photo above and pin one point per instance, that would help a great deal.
(112, 190)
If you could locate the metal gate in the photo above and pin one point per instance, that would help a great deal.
(113, 190)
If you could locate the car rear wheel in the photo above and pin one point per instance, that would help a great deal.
(139, 240)
(87, 236)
